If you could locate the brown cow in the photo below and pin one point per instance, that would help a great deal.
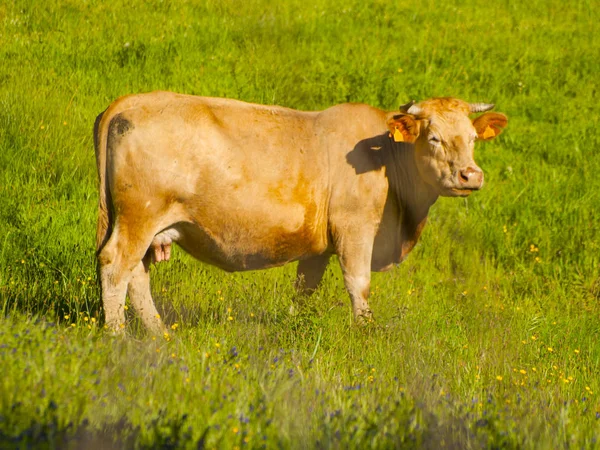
(244, 187)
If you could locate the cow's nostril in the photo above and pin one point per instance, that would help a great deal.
(470, 178)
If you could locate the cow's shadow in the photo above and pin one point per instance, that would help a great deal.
(373, 153)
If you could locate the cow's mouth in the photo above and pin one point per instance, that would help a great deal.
(462, 192)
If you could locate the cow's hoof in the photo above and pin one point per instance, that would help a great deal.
(116, 330)
(365, 318)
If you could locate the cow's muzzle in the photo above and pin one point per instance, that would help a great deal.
(470, 179)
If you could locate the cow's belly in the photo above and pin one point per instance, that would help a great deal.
(241, 226)
(243, 249)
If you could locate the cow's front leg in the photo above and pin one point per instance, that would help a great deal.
(355, 259)
(358, 286)
(310, 273)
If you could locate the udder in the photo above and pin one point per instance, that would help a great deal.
(160, 248)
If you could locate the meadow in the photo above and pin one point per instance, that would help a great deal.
(487, 336)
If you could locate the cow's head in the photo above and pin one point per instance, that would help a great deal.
(444, 137)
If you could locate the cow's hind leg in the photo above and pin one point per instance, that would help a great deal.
(118, 260)
(141, 298)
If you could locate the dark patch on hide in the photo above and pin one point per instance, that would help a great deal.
(119, 125)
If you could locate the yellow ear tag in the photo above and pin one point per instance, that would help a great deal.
(489, 133)
(398, 137)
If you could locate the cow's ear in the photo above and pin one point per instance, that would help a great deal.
(490, 125)
(403, 127)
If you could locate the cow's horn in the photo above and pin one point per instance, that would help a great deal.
(481, 107)
(415, 110)
(404, 108)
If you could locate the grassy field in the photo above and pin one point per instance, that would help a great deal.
(486, 337)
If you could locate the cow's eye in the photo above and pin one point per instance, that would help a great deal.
(434, 139)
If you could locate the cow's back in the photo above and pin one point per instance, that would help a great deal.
(244, 185)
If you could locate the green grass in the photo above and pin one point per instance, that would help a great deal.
(481, 340)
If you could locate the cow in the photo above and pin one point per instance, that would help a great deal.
(244, 186)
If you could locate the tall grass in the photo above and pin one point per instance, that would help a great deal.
(487, 336)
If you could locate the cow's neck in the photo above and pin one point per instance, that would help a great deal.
(413, 196)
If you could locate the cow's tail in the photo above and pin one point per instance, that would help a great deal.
(104, 228)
